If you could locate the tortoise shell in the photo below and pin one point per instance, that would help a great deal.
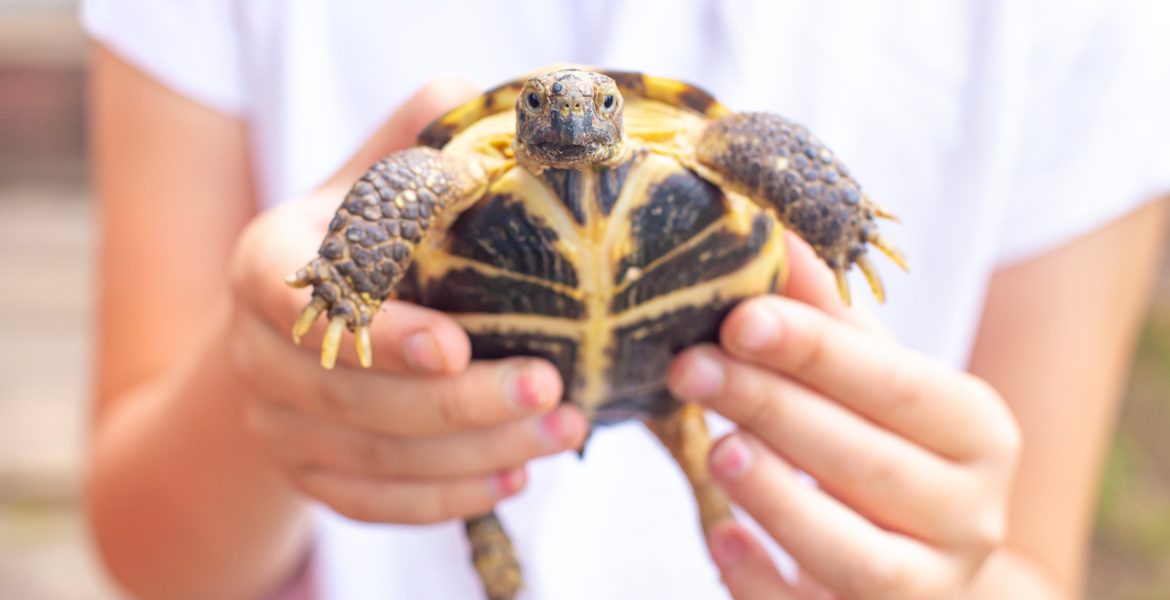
(550, 221)
(606, 273)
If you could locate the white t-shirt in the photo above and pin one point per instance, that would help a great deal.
(995, 128)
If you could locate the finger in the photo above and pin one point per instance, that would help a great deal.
(305, 440)
(913, 395)
(812, 282)
(890, 481)
(487, 393)
(405, 338)
(744, 564)
(406, 501)
(838, 547)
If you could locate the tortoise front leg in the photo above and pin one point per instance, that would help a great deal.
(778, 164)
(367, 250)
(684, 433)
(373, 236)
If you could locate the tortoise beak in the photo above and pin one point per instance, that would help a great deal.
(572, 129)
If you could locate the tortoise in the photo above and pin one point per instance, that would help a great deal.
(601, 220)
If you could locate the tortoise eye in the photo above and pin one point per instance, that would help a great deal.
(607, 101)
(533, 101)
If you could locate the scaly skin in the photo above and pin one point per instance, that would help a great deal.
(572, 119)
(373, 236)
(779, 164)
(684, 433)
(494, 558)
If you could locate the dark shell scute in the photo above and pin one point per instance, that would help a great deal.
(718, 254)
(642, 351)
(498, 231)
(568, 186)
(679, 208)
(469, 290)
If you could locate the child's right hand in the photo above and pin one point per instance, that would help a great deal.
(425, 434)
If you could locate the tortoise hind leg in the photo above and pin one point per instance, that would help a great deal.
(684, 433)
(493, 556)
(778, 164)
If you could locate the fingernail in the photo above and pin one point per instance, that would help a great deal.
(702, 377)
(508, 482)
(760, 329)
(421, 351)
(552, 428)
(524, 389)
(730, 458)
(727, 549)
(555, 428)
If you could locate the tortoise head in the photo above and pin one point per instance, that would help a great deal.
(569, 119)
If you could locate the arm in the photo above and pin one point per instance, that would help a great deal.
(209, 424)
(1056, 340)
(164, 397)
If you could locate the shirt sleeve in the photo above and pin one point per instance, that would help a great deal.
(1096, 123)
(191, 46)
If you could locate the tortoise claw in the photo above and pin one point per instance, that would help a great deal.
(306, 319)
(365, 351)
(843, 286)
(869, 270)
(332, 342)
(881, 211)
(875, 282)
(334, 294)
(863, 262)
(302, 278)
(888, 249)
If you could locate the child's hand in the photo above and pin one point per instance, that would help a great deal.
(913, 459)
(423, 435)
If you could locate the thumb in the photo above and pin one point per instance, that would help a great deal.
(402, 127)
(810, 281)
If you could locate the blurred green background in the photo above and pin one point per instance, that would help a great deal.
(47, 246)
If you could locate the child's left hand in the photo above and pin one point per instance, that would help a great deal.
(913, 459)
